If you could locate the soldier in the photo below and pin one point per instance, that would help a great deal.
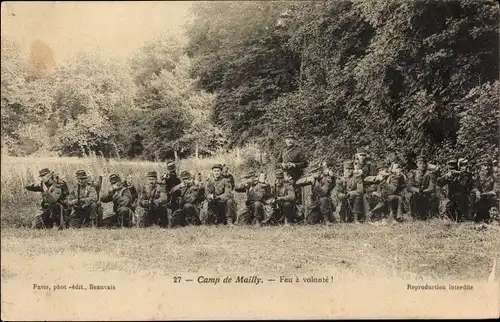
(365, 168)
(228, 176)
(221, 207)
(291, 161)
(122, 200)
(458, 185)
(282, 201)
(83, 200)
(169, 181)
(422, 189)
(257, 191)
(389, 191)
(153, 201)
(322, 184)
(348, 194)
(188, 196)
(484, 192)
(54, 193)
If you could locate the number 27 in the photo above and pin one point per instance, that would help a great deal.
(177, 279)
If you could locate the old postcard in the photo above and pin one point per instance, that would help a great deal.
(178, 160)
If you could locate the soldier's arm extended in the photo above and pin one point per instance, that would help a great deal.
(108, 197)
(35, 187)
(242, 186)
(92, 196)
(227, 194)
(302, 182)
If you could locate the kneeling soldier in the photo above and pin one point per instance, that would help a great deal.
(221, 207)
(188, 196)
(257, 192)
(283, 201)
(122, 199)
(54, 193)
(348, 193)
(153, 203)
(83, 200)
(485, 192)
(321, 209)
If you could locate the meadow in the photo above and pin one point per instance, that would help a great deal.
(436, 250)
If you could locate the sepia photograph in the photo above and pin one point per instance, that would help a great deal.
(250, 160)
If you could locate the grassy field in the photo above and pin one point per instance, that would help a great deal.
(433, 250)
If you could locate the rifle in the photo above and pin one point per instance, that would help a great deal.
(96, 222)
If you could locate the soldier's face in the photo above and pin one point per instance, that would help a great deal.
(396, 169)
(289, 141)
(361, 157)
(82, 181)
(420, 165)
(151, 181)
(348, 172)
(279, 181)
(116, 185)
(187, 182)
(47, 178)
(217, 172)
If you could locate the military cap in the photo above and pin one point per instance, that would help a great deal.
(114, 178)
(152, 174)
(348, 165)
(81, 174)
(217, 166)
(290, 136)
(185, 175)
(382, 164)
(170, 165)
(44, 172)
(279, 174)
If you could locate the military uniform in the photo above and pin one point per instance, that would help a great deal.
(348, 196)
(459, 185)
(83, 200)
(485, 192)
(153, 201)
(228, 176)
(321, 207)
(390, 188)
(122, 201)
(291, 160)
(188, 196)
(422, 191)
(257, 193)
(366, 169)
(221, 208)
(169, 181)
(54, 194)
(282, 203)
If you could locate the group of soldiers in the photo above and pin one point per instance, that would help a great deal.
(362, 192)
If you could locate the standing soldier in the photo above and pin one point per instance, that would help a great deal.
(153, 203)
(282, 201)
(257, 191)
(221, 207)
(122, 199)
(54, 193)
(291, 161)
(422, 189)
(322, 184)
(83, 200)
(348, 193)
(228, 176)
(169, 181)
(366, 168)
(485, 192)
(188, 196)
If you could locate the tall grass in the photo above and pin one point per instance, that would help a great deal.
(17, 172)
